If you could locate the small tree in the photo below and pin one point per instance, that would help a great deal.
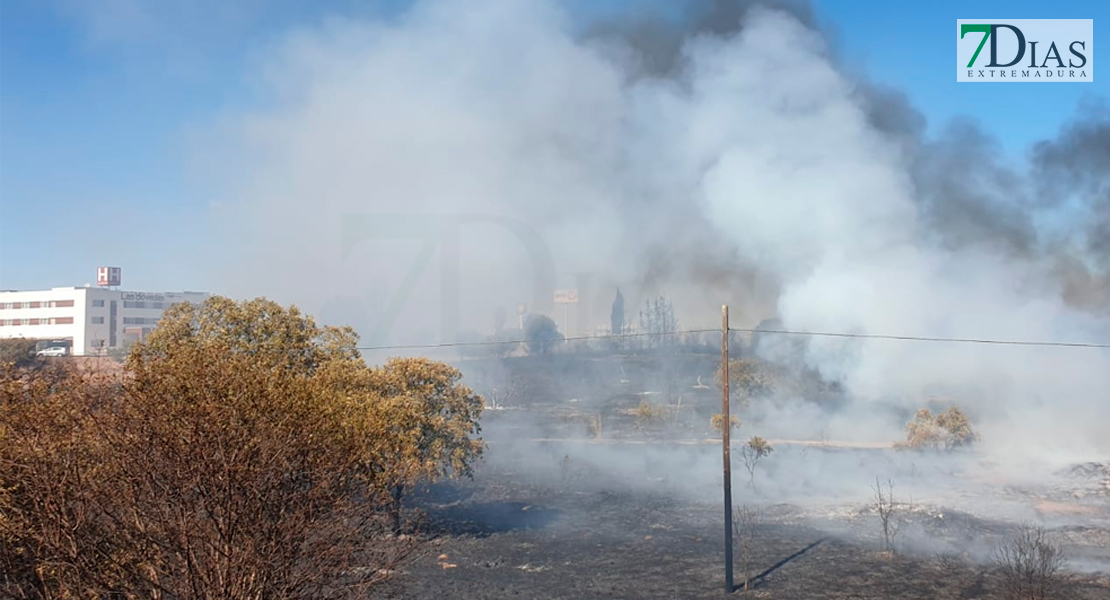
(1030, 565)
(616, 315)
(750, 378)
(541, 334)
(745, 521)
(431, 417)
(658, 321)
(884, 504)
(755, 449)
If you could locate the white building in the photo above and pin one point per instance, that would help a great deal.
(87, 319)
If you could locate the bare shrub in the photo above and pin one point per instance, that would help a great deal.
(1030, 565)
(948, 430)
(884, 504)
(745, 520)
(755, 449)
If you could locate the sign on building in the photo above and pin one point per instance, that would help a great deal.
(108, 276)
(567, 296)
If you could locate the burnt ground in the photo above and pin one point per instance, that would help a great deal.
(580, 496)
(511, 534)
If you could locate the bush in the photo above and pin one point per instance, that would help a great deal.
(248, 453)
(717, 422)
(750, 378)
(541, 334)
(1030, 565)
(18, 353)
(945, 431)
(649, 415)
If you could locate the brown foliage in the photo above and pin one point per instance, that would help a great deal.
(18, 353)
(717, 422)
(248, 454)
(948, 430)
(753, 450)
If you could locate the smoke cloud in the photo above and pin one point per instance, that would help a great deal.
(411, 176)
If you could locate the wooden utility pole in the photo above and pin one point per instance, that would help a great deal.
(726, 428)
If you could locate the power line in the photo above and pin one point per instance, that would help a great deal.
(915, 338)
(501, 342)
(909, 338)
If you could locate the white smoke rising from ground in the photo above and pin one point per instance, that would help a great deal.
(759, 153)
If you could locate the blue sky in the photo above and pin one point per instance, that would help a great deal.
(100, 104)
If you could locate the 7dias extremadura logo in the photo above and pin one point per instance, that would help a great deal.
(1025, 50)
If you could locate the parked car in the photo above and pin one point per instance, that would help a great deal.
(53, 351)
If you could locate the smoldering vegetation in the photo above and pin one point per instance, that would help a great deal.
(442, 167)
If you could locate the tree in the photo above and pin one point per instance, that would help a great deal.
(948, 430)
(755, 449)
(431, 418)
(245, 453)
(18, 353)
(616, 316)
(884, 505)
(750, 378)
(541, 333)
(658, 321)
(1030, 564)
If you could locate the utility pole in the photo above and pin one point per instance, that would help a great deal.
(726, 428)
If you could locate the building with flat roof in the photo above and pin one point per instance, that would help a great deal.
(86, 320)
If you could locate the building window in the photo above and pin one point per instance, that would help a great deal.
(3, 305)
(64, 320)
(25, 322)
(35, 305)
(34, 321)
(134, 304)
(140, 321)
(98, 303)
(98, 320)
(46, 321)
(158, 305)
(63, 303)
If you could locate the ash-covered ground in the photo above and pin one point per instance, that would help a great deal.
(584, 494)
(591, 519)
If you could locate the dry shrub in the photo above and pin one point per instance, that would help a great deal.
(745, 521)
(750, 378)
(595, 426)
(948, 430)
(717, 422)
(1030, 565)
(884, 504)
(752, 451)
(246, 453)
(649, 415)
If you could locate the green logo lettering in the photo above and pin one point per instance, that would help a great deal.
(984, 29)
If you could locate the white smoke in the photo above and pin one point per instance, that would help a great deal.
(758, 154)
